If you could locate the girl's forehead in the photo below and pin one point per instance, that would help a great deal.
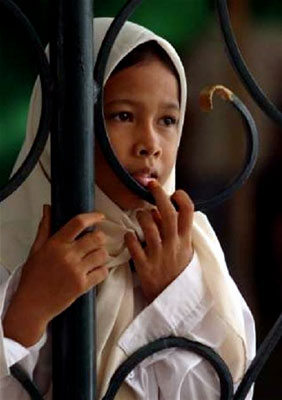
(150, 77)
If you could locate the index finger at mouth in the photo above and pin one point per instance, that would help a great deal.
(163, 202)
(165, 207)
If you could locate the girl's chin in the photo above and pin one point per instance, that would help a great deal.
(128, 200)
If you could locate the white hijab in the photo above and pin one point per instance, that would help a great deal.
(21, 213)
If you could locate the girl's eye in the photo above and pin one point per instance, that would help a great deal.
(122, 116)
(168, 121)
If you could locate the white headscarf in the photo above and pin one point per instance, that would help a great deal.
(21, 213)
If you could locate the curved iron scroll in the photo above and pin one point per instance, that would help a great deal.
(251, 150)
(225, 378)
(25, 169)
(272, 111)
(21, 376)
(240, 66)
(99, 73)
(101, 132)
(259, 361)
(226, 383)
(46, 85)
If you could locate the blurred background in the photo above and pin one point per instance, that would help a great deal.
(249, 225)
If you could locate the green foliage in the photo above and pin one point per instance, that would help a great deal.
(17, 72)
(178, 20)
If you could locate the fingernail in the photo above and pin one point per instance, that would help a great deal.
(153, 184)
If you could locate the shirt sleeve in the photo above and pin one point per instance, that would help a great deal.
(184, 308)
(12, 352)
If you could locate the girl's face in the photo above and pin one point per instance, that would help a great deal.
(142, 111)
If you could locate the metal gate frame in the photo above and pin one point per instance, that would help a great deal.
(71, 71)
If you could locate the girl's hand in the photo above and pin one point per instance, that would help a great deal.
(59, 269)
(168, 240)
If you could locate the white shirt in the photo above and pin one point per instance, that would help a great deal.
(184, 308)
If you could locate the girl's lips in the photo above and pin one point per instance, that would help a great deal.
(143, 178)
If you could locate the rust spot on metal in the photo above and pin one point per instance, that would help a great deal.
(206, 96)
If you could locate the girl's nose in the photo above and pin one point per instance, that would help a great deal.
(145, 150)
(147, 144)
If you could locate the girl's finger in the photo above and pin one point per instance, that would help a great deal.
(135, 249)
(157, 218)
(151, 232)
(78, 224)
(95, 259)
(185, 212)
(166, 209)
(96, 276)
(44, 230)
(89, 242)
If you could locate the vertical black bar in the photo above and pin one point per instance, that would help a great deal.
(72, 163)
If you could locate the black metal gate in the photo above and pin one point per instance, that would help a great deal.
(71, 71)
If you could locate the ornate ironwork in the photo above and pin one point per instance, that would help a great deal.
(240, 66)
(86, 388)
(225, 378)
(101, 132)
(46, 85)
(262, 356)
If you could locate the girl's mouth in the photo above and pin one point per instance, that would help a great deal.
(143, 178)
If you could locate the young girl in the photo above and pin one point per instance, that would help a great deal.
(180, 285)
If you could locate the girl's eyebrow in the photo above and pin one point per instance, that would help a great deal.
(121, 101)
(169, 104)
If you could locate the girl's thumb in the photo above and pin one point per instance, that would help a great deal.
(44, 229)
